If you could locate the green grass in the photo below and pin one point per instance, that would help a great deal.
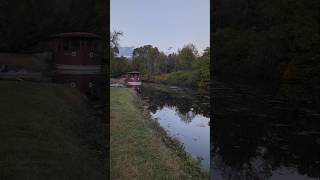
(48, 132)
(34, 62)
(140, 148)
(117, 80)
(180, 78)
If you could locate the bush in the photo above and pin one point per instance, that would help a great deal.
(180, 78)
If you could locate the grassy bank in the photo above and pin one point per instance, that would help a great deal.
(49, 132)
(140, 149)
(182, 78)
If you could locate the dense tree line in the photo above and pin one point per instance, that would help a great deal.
(25, 23)
(151, 62)
(154, 65)
(275, 40)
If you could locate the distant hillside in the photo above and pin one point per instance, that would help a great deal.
(126, 52)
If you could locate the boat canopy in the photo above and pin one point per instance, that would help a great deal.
(133, 72)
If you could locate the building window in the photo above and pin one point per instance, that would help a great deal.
(59, 45)
(89, 44)
(82, 45)
(65, 45)
(94, 45)
(85, 44)
(75, 43)
(99, 46)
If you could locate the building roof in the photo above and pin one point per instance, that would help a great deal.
(77, 34)
(133, 72)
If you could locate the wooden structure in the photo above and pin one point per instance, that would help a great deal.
(77, 58)
(133, 79)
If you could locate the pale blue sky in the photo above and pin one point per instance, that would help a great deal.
(162, 23)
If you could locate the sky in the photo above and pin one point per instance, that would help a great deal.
(162, 23)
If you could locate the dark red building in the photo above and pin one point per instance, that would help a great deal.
(133, 80)
(78, 60)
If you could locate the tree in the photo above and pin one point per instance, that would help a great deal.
(186, 57)
(171, 62)
(118, 66)
(114, 43)
(267, 40)
(203, 67)
(143, 59)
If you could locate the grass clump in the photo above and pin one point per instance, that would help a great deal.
(48, 131)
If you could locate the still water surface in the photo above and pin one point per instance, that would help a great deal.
(265, 134)
(256, 134)
(184, 115)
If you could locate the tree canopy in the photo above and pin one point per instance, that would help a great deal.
(24, 23)
(186, 67)
(275, 40)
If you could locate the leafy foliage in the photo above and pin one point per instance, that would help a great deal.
(186, 68)
(118, 66)
(186, 57)
(114, 42)
(267, 40)
(24, 23)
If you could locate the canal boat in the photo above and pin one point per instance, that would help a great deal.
(133, 78)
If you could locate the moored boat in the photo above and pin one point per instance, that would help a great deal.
(133, 78)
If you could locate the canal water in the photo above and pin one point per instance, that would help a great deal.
(265, 134)
(184, 114)
(268, 133)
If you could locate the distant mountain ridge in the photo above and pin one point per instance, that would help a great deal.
(126, 52)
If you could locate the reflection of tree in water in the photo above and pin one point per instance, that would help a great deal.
(187, 117)
(252, 140)
(186, 105)
(256, 169)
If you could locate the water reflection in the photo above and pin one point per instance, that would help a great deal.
(136, 88)
(264, 136)
(184, 101)
(184, 115)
